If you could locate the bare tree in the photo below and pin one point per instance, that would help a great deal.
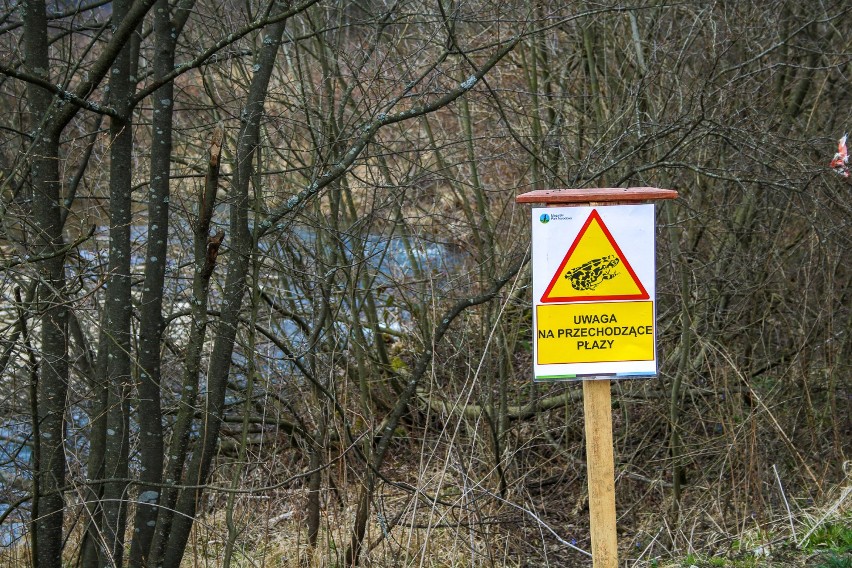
(270, 246)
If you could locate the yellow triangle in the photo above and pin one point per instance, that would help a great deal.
(594, 269)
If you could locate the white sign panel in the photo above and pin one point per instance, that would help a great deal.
(594, 309)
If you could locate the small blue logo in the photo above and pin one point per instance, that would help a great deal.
(545, 218)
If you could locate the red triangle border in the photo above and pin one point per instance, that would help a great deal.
(643, 295)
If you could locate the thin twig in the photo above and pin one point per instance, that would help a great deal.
(786, 504)
(51, 254)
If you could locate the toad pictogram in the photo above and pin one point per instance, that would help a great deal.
(589, 275)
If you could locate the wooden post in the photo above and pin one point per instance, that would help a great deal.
(600, 469)
(597, 398)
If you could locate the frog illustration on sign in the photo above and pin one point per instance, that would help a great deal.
(589, 275)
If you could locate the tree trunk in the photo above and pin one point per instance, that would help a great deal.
(53, 367)
(151, 437)
(118, 308)
(235, 285)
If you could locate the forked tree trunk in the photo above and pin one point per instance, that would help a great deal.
(167, 27)
(235, 285)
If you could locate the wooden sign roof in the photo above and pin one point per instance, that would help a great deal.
(596, 194)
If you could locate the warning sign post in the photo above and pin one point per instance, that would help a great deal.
(594, 316)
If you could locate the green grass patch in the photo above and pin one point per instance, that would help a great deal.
(834, 561)
(833, 536)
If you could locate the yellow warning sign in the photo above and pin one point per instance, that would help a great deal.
(595, 332)
(594, 269)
